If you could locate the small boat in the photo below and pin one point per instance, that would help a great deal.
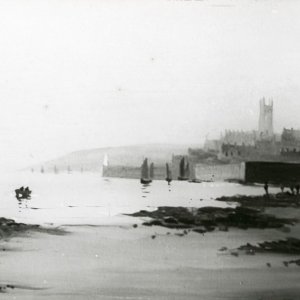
(22, 193)
(168, 174)
(145, 176)
(184, 170)
(194, 180)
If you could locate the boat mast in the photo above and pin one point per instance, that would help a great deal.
(182, 168)
(187, 170)
(145, 169)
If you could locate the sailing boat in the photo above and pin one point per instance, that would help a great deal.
(184, 170)
(151, 171)
(105, 165)
(169, 174)
(145, 178)
(187, 170)
(105, 160)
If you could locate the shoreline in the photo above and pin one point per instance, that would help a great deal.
(86, 267)
(115, 261)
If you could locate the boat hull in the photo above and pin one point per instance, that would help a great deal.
(145, 181)
(22, 194)
(182, 178)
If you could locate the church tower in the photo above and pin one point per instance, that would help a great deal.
(265, 127)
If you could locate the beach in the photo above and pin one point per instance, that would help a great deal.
(122, 262)
(119, 258)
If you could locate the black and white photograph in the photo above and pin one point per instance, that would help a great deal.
(149, 149)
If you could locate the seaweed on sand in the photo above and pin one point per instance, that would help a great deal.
(271, 200)
(209, 218)
(287, 246)
(9, 228)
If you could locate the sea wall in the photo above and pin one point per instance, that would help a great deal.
(251, 172)
(204, 172)
(272, 172)
(132, 172)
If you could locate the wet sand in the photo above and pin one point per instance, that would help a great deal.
(122, 262)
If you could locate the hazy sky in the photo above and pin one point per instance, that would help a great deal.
(83, 74)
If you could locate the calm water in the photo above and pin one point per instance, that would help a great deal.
(90, 199)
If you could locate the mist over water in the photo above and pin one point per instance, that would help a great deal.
(88, 198)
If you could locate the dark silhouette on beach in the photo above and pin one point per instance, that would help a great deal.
(297, 186)
(282, 188)
(266, 187)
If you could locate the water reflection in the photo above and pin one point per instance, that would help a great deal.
(145, 188)
(83, 198)
(23, 195)
(22, 204)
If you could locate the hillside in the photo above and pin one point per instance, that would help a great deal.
(91, 160)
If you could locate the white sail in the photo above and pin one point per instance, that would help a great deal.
(105, 160)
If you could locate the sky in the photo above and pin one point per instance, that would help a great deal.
(80, 74)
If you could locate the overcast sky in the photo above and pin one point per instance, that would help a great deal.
(83, 74)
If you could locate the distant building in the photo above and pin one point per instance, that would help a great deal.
(250, 172)
(244, 151)
(290, 139)
(259, 145)
(265, 127)
(290, 144)
(239, 138)
(212, 145)
(262, 150)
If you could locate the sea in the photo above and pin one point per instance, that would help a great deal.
(89, 198)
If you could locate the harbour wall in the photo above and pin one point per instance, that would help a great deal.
(132, 172)
(251, 172)
(272, 172)
(224, 172)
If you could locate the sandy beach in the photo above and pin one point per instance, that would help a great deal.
(123, 262)
(150, 150)
(96, 252)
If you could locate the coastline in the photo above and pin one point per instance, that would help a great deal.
(139, 262)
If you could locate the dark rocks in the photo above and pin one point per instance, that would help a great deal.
(200, 230)
(287, 246)
(207, 219)
(170, 220)
(153, 222)
(4, 287)
(271, 200)
(296, 262)
(286, 263)
(179, 234)
(223, 249)
(9, 227)
(234, 253)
